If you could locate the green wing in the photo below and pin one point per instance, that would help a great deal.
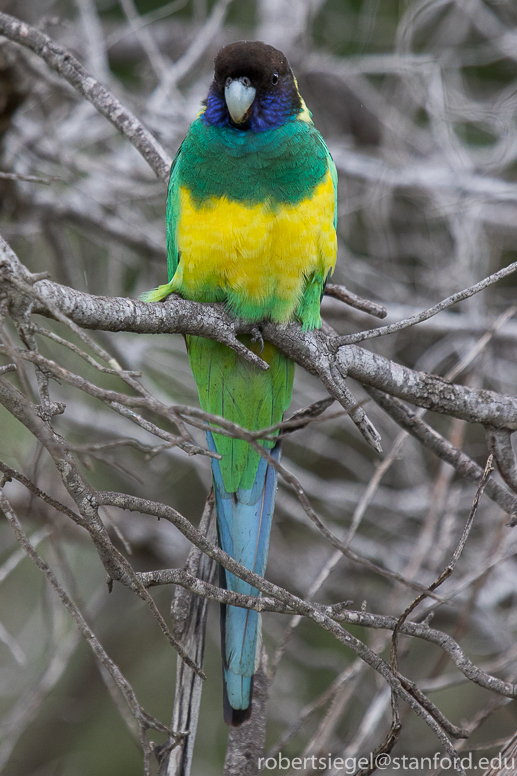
(333, 175)
(173, 215)
(308, 311)
(172, 218)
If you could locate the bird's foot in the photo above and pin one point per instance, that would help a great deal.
(256, 336)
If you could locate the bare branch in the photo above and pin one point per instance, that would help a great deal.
(312, 350)
(419, 429)
(348, 297)
(459, 296)
(144, 719)
(67, 66)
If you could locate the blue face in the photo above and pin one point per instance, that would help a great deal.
(276, 102)
(269, 109)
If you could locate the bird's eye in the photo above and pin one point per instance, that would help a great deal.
(228, 82)
(274, 79)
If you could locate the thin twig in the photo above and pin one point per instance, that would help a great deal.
(459, 296)
(353, 300)
(144, 719)
(446, 573)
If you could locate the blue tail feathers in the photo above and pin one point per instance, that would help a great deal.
(244, 524)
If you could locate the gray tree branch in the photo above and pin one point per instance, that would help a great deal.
(67, 66)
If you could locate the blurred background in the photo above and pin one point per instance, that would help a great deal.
(417, 102)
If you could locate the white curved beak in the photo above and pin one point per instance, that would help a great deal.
(239, 96)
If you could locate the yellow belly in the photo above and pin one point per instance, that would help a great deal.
(261, 253)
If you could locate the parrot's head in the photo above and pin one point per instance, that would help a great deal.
(253, 88)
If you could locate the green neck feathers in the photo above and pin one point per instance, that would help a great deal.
(281, 165)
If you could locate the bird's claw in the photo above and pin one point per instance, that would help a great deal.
(256, 336)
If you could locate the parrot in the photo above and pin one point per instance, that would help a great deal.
(251, 223)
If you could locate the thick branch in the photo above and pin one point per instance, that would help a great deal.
(444, 449)
(428, 390)
(312, 350)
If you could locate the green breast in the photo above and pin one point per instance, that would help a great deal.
(278, 166)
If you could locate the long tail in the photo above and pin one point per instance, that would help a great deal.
(244, 485)
(244, 525)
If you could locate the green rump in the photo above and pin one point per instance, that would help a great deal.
(234, 389)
